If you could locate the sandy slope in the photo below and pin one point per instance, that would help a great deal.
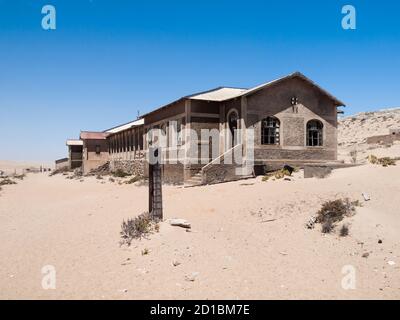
(353, 132)
(75, 227)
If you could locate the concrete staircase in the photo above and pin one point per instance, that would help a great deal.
(195, 180)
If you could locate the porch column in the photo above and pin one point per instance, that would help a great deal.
(222, 121)
(187, 127)
(243, 124)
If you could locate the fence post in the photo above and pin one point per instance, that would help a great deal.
(155, 184)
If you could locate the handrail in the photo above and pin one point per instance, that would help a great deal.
(220, 158)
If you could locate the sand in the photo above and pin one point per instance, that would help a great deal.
(248, 239)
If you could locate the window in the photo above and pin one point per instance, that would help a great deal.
(97, 149)
(179, 132)
(270, 131)
(314, 133)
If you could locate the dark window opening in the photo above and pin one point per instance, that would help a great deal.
(314, 133)
(97, 149)
(270, 133)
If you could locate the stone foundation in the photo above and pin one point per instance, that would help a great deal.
(134, 167)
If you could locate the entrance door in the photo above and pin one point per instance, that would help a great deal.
(232, 120)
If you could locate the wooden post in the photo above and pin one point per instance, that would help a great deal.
(155, 186)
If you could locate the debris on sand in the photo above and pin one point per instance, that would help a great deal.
(7, 181)
(366, 196)
(311, 223)
(102, 170)
(175, 263)
(192, 277)
(180, 223)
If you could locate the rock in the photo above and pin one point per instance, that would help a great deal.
(180, 223)
(192, 277)
(366, 196)
(391, 263)
(175, 263)
(365, 255)
(311, 223)
(379, 241)
(288, 168)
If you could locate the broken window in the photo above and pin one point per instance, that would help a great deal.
(270, 131)
(314, 133)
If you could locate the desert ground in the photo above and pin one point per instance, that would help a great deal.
(248, 239)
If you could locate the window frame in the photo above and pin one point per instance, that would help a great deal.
(273, 131)
(316, 139)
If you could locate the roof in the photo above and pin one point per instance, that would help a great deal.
(61, 160)
(90, 135)
(227, 93)
(218, 94)
(74, 142)
(125, 126)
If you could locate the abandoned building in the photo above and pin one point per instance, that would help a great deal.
(62, 163)
(94, 150)
(394, 135)
(75, 151)
(294, 121)
(290, 120)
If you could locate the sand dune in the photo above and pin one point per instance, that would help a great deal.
(248, 239)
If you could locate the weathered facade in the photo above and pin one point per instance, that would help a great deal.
(125, 145)
(75, 153)
(94, 150)
(287, 121)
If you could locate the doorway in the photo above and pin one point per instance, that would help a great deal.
(233, 124)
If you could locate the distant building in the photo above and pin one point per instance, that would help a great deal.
(394, 135)
(94, 150)
(75, 149)
(62, 163)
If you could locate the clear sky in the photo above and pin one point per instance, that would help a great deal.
(108, 59)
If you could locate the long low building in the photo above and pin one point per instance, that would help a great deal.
(290, 120)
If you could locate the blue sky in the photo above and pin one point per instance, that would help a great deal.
(107, 60)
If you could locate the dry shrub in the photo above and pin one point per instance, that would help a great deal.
(19, 176)
(60, 170)
(7, 181)
(344, 230)
(335, 211)
(385, 161)
(137, 228)
(327, 226)
(279, 174)
(372, 159)
(353, 155)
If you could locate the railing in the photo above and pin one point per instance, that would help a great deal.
(221, 158)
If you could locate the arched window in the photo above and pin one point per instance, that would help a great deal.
(314, 133)
(270, 131)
